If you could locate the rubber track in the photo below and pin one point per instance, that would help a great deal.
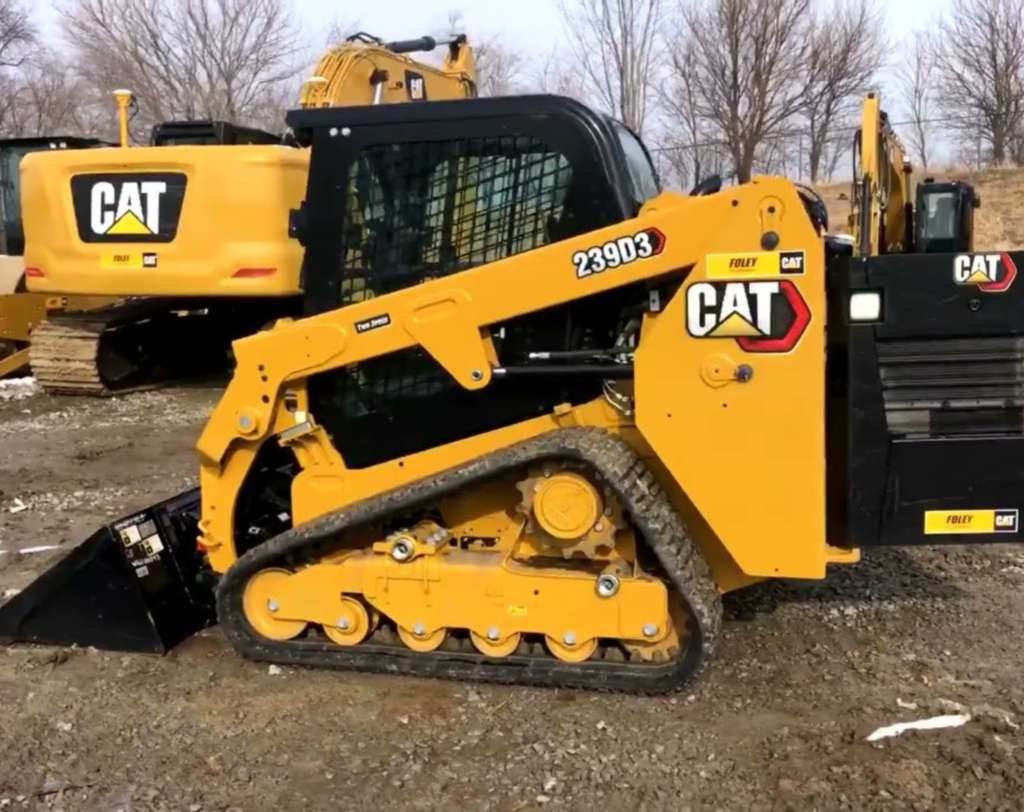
(619, 468)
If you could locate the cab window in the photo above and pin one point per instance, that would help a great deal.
(641, 171)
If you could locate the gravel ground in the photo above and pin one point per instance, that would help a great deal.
(804, 673)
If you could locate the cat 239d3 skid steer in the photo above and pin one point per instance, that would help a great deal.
(574, 411)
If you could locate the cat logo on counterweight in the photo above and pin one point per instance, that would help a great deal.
(128, 208)
(762, 316)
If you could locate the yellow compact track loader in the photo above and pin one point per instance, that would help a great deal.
(192, 241)
(538, 415)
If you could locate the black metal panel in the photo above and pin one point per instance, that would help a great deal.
(922, 300)
(950, 475)
(207, 132)
(135, 585)
(542, 114)
(925, 412)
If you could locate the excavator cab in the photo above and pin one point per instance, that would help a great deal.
(944, 217)
(206, 132)
(12, 150)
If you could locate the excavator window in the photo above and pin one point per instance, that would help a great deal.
(429, 190)
(10, 202)
(12, 237)
(945, 221)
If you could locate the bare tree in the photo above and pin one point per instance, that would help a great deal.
(981, 72)
(553, 74)
(915, 78)
(838, 146)
(338, 31)
(688, 142)
(187, 58)
(17, 34)
(499, 67)
(616, 45)
(847, 49)
(749, 63)
(39, 99)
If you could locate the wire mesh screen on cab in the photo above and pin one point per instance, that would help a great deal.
(423, 210)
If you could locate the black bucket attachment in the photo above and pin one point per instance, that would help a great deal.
(137, 585)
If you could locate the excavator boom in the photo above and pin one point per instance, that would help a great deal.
(881, 185)
(365, 70)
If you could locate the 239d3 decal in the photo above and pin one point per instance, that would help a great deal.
(616, 253)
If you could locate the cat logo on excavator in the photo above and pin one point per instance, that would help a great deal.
(142, 207)
(762, 316)
(990, 273)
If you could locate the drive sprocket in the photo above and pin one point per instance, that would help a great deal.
(567, 512)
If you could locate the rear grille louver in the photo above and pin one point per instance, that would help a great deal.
(953, 386)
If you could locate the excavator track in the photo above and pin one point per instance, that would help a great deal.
(64, 356)
(618, 468)
(141, 344)
(67, 350)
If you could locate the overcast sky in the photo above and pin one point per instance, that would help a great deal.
(529, 25)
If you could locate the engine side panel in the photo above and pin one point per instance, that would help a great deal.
(729, 383)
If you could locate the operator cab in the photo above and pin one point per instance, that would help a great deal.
(400, 194)
(12, 150)
(944, 217)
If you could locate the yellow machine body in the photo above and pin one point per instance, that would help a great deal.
(696, 420)
(232, 236)
(585, 540)
(732, 441)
